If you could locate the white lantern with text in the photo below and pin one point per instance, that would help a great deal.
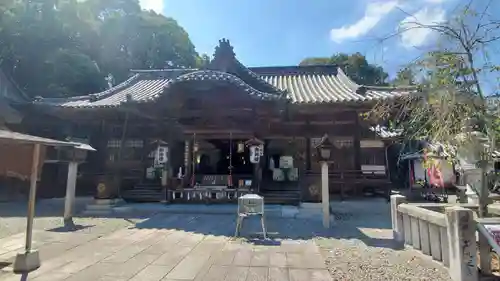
(255, 154)
(161, 155)
(256, 148)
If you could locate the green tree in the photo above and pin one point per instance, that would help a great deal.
(68, 47)
(203, 61)
(355, 66)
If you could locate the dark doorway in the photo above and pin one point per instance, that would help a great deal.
(230, 153)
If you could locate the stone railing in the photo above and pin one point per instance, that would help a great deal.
(448, 237)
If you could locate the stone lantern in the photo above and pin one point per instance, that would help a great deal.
(73, 156)
(324, 149)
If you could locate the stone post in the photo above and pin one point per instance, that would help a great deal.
(461, 230)
(69, 201)
(484, 254)
(325, 194)
(397, 220)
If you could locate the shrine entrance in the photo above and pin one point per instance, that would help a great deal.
(219, 156)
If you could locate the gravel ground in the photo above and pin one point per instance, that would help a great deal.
(354, 260)
(363, 249)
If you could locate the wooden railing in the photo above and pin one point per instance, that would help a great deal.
(206, 194)
(348, 183)
(353, 175)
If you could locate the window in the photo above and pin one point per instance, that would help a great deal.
(372, 156)
(132, 150)
(341, 143)
(342, 154)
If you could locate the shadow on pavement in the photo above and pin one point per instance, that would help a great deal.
(70, 228)
(278, 228)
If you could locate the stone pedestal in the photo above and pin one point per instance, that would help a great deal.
(397, 220)
(461, 230)
(27, 262)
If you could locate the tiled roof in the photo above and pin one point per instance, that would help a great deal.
(297, 84)
(147, 86)
(323, 84)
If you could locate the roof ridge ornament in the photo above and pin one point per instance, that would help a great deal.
(224, 49)
(223, 56)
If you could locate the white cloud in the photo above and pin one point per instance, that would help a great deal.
(373, 14)
(155, 5)
(435, 1)
(413, 34)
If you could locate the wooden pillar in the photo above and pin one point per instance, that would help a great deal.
(308, 145)
(146, 149)
(30, 260)
(188, 157)
(308, 153)
(32, 195)
(99, 139)
(118, 172)
(357, 148)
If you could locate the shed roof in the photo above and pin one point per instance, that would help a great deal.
(9, 136)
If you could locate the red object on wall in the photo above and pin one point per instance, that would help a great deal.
(412, 175)
(435, 176)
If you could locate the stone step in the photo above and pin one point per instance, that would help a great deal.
(282, 194)
(292, 201)
(143, 196)
(97, 213)
(98, 207)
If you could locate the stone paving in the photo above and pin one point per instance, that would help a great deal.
(172, 247)
(175, 247)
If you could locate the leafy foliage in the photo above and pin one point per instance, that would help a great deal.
(405, 77)
(68, 47)
(451, 108)
(355, 66)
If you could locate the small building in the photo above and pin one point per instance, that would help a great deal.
(202, 118)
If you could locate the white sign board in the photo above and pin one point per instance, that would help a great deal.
(286, 162)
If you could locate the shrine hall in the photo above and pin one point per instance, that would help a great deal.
(215, 133)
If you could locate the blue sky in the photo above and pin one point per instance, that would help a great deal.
(283, 32)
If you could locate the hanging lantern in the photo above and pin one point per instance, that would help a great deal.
(241, 147)
(256, 149)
